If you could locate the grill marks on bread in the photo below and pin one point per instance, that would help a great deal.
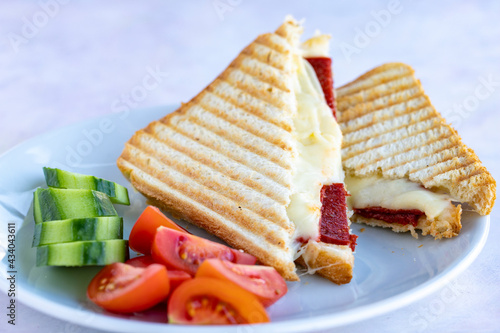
(390, 127)
(224, 160)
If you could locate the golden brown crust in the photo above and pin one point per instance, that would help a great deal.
(391, 128)
(402, 69)
(332, 262)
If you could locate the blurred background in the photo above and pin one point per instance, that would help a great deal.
(64, 61)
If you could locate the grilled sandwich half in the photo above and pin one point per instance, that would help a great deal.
(404, 164)
(249, 157)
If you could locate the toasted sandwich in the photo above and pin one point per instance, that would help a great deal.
(405, 166)
(255, 159)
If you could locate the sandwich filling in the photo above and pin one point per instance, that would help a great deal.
(313, 205)
(395, 200)
(323, 68)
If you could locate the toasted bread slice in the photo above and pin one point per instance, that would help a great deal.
(224, 161)
(333, 262)
(227, 160)
(391, 130)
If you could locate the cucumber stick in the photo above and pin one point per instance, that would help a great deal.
(60, 204)
(70, 180)
(82, 253)
(62, 231)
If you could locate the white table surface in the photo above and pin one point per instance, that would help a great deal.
(68, 61)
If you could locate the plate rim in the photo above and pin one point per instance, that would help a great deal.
(324, 321)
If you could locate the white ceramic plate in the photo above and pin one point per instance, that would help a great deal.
(391, 270)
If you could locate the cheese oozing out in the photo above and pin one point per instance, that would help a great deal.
(375, 191)
(319, 140)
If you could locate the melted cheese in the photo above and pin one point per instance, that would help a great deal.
(375, 191)
(318, 144)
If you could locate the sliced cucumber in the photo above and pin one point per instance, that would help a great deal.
(37, 211)
(61, 204)
(64, 179)
(83, 253)
(62, 231)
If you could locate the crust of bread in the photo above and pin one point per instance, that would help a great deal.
(391, 128)
(442, 227)
(333, 262)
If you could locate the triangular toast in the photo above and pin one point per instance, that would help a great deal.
(226, 160)
(391, 130)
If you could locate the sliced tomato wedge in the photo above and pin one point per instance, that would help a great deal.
(181, 251)
(175, 277)
(262, 281)
(141, 261)
(210, 301)
(124, 288)
(144, 229)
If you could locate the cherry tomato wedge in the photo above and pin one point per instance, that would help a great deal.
(185, 252)
(214, 302)
(175, 277)
(123, 288)
(141, 261)
(144, 229)
(262, 281)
